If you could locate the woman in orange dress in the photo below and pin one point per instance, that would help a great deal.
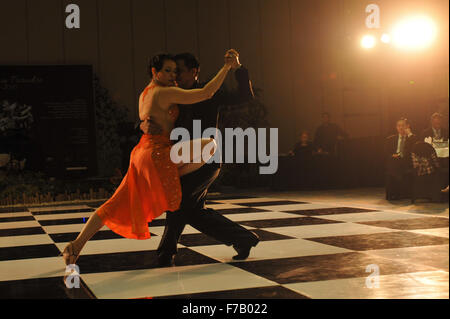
(152, 183)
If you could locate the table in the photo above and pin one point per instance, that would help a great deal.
(441, 148)
(442, 152)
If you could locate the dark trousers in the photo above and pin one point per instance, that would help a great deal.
(426, 186)
(398, 179)
(443, 163)
(192, 211)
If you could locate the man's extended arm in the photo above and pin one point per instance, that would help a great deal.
(245, 88)
(238, 89)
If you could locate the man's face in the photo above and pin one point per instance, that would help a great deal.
(185, 77)
(401, 127)
(325, 119)
(436, 123)
(304, 138)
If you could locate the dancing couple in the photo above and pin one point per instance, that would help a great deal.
(154, 184)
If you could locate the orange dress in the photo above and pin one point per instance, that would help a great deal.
(150, 188)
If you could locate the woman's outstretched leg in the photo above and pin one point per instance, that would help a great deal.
(73, 249)
(195, 160)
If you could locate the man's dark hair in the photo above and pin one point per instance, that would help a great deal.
(157, 62)
(189, 60)
(405, 120)
(304, 132)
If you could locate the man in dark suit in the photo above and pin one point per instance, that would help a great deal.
(195, 185)
(398, 161)
(327, 136)
(327, 143)
(436, 131)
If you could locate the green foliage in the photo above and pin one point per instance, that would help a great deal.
(110, 116)
(17, 184)
(24, 183)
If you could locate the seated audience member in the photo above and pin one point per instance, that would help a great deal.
(327, 135)
(398, 161)
(411, 138)
(436, 131)
(426, 167)
(303, 148)
(300, 174)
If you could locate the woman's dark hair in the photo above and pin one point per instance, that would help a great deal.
(190, 61)
(157, 62)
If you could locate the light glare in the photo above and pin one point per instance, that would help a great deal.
(385, 38)
(414, 33)
(368, 41)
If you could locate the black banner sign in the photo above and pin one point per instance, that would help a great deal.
(47, 117)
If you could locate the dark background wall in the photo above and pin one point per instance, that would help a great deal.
(304, 55)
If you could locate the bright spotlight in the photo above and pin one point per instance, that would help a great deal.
(414, 33)
(368, 41)
(385, 38)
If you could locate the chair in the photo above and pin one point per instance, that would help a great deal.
(398, 179)
(427, 185)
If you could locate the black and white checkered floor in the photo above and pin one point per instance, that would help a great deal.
(307, 250)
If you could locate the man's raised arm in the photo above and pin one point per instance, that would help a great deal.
(238, 89)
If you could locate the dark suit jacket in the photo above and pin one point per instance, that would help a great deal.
(400, 164)
(429, 132)
(392, 144)
(303, 151)
(326, 137)
(208, 111)
(195, 185)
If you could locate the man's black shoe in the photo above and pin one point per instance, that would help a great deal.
(166, 261)
(244, 250)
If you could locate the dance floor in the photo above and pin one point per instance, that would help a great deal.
(307, 250)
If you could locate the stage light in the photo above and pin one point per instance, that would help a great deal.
(368, 41)
(385, 38)
(414, 33)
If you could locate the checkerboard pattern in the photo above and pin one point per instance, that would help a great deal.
(307, 250)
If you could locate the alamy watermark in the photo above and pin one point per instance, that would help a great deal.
(73, 279)
(73, 19)
(373, 19)
(256, 146)
(373, 280)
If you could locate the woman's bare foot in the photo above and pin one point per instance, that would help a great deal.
(445, 190)
(71, 253)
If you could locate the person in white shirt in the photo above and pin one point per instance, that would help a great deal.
(436, 131)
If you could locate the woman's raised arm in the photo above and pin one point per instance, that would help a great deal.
(174, 95)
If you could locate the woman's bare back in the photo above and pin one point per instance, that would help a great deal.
(160, 103)
(149, 107)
